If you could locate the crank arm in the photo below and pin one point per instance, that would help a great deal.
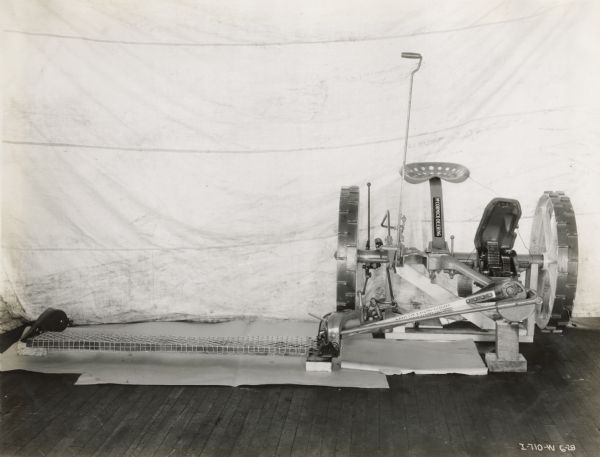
(465, 305)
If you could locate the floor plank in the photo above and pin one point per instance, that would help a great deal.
(265, 430)
(556, 403)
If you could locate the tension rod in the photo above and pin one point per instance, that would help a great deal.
(389, 280)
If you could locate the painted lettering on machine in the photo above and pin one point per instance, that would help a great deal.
(437, 217)
(480, 297)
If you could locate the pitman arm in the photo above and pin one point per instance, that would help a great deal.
(499, 296)
(461, 306)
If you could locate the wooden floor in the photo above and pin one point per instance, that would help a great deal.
(557, 403)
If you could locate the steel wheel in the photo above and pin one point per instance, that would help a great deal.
(554, 234)
(346, 249)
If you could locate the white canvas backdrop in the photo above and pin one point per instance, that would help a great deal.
(183, 159)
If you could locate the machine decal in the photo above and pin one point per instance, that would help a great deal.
(480, 297)
(437, 217)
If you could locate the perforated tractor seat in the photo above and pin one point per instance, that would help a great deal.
(417, 172)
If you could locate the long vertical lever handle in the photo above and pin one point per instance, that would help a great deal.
(417, 56)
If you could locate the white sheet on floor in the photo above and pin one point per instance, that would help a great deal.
(186, 369)
(420, 357)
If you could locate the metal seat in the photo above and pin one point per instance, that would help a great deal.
(417, 172)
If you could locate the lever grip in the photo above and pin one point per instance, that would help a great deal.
(411, 55)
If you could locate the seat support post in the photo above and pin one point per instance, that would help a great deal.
(438, 242)
(434, 172)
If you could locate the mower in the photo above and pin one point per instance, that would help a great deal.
(499, 293)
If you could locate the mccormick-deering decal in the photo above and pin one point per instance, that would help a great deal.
(437, 217)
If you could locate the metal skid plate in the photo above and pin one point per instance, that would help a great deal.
(347, 246)
(554, 234)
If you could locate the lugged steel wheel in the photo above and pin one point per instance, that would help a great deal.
(554, 234)
(346, 249)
